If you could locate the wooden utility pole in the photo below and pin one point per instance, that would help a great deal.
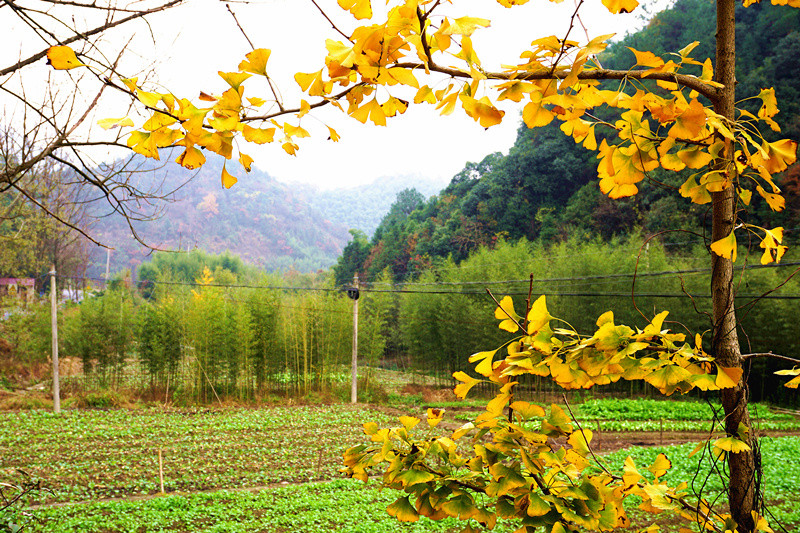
(54, 328)
(353, 293)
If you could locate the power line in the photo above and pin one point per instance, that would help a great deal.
(584, 278)
(398, 289)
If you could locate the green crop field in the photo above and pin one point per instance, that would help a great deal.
(262, 470)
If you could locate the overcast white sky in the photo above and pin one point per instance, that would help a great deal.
(193, 42)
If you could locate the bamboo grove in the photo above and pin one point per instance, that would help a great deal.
(230, 335)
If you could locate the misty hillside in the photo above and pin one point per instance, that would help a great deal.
(270, 224)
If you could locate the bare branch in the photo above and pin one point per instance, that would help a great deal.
(94, 31)
(770, 355)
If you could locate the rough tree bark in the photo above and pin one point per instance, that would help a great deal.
(742, 492)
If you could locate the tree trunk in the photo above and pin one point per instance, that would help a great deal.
(742, 491)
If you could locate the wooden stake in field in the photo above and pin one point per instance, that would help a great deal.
(353, 293)
(160, 471)
(54, 328)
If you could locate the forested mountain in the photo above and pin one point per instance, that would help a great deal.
(261, 220)
(267, 223)
(545, 187)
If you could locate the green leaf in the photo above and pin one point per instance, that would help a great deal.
(461, 506)
(557, 423)
(414, 476)
(537, 506)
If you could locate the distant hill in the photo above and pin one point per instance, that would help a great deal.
(364, 207)
(269, 224)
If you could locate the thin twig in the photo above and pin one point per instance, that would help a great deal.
(343, 34)
(771, 356)
(588, 446)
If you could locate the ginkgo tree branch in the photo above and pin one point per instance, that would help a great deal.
(770, 355)
(336, 28)
(292, 111)
(85, 35)
(686, 80)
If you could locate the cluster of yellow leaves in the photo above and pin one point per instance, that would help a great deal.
(518, 461)
(213, 123)
(613, 352)
(379, 69)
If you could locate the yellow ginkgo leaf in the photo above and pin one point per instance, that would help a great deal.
(463, 430)
(191, 158)
(776, 201)
(647, 58)
(402, 508)
(534, 115)
(256, 101)
(728, 377)
(725, 247)
(537, 506)
(769, 105)
(793, 383)
(111, 123)
(256, 62)
(62, 58)
(305, 107)
(667, 378)
(360, 9)
(506, 314)
(143, 143)
(620, 6)
(425, 94)
(697, 193)
(228, 181)
(311, 83)
(409, 421)
(158, 121)
(404, 76)
(467, 382)
(294, 131)
(333, 135)
(731, 444)
(434, 416)
(465, 25)
(246, 161)
(690, 123)
(580, 440)
(538, 316)
(482, 111)
(258, 135)
(234, 79)
(660, 466)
